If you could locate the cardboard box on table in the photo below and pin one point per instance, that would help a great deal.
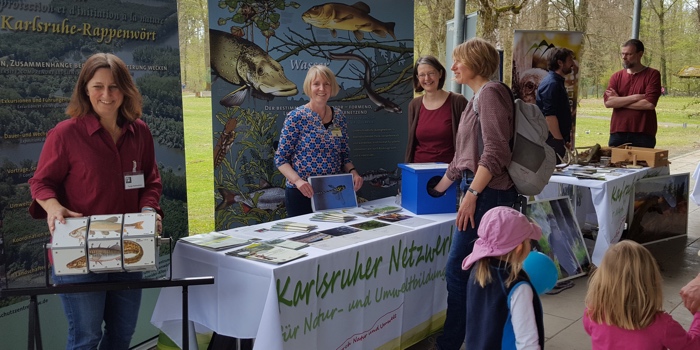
(653, 157)
(68, 249)
(139, 242)
(104, 243)
(414, 189)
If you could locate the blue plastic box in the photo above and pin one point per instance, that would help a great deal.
(414, 189)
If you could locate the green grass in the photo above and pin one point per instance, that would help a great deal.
(199, 163)
(593, 126)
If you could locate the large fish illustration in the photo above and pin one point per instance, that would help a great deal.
(354, 18)
(241, 62)
(381, 101)
(268, 198)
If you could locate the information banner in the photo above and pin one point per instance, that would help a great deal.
(42, 47)
(260, 55)
(531, 52)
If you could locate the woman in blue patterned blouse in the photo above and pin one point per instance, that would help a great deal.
(314, 141)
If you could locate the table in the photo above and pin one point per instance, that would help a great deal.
(34, 334)
(385, 293)
(611, 200)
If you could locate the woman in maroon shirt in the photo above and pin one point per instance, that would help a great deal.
(482, 153)
(433, 117)
(100, 161)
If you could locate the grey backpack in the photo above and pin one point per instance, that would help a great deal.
(533, 161)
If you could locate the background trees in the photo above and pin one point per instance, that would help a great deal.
(670, 30)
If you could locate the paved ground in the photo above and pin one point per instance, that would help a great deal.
(679, 263)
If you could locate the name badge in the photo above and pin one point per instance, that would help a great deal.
(336, 132)
(133, 180)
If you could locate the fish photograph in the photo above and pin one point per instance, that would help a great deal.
(260, 54)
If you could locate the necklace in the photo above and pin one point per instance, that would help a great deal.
(324, 115)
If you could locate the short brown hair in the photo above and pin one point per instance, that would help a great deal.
(433, 62)
(80, 105)
(559, 54)
(478, 55)
(324, 71)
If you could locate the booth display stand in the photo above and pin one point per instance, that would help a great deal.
(34, 335)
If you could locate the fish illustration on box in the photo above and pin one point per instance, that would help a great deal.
(379, 100)
(268, 197)
(111, 224)
(354, 18)
(241, 62)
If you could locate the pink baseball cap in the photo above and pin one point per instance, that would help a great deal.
(501, 230)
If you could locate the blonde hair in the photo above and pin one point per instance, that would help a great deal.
(326, 73)
(514, 258)
(80, 105)
(478, 55)
(625, 291)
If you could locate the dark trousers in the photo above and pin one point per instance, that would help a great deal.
(462, 244)
(296, 203)
(636, 139)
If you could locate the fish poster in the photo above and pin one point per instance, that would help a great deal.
(531, 52)
(562, 239)
(260, 54)
(43, 46)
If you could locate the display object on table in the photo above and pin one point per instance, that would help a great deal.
(416, 179)
(214, 241)
(139, 242)
(562, 240)
(68, 247)
(659, 210)
(267, 253)
(650, 156)
(332, 192)
(104, 243)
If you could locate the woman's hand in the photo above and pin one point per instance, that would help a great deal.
(465, 214)
(304, 188)
(357, 181)
(56, 212)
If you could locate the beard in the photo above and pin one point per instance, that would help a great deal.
(629, 65)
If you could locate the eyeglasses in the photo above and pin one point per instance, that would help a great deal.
(431, 75)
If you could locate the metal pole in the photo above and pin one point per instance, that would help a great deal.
(635, 18)
(458, 36)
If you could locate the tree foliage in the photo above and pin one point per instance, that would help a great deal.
(670, 30)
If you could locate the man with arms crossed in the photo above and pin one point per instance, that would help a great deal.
(632, 94)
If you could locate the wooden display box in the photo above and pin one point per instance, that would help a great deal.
(653, 157)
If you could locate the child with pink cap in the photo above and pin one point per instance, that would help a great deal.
(503, 309)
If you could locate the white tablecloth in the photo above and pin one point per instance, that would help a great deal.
(387, 293)
(611, 199)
